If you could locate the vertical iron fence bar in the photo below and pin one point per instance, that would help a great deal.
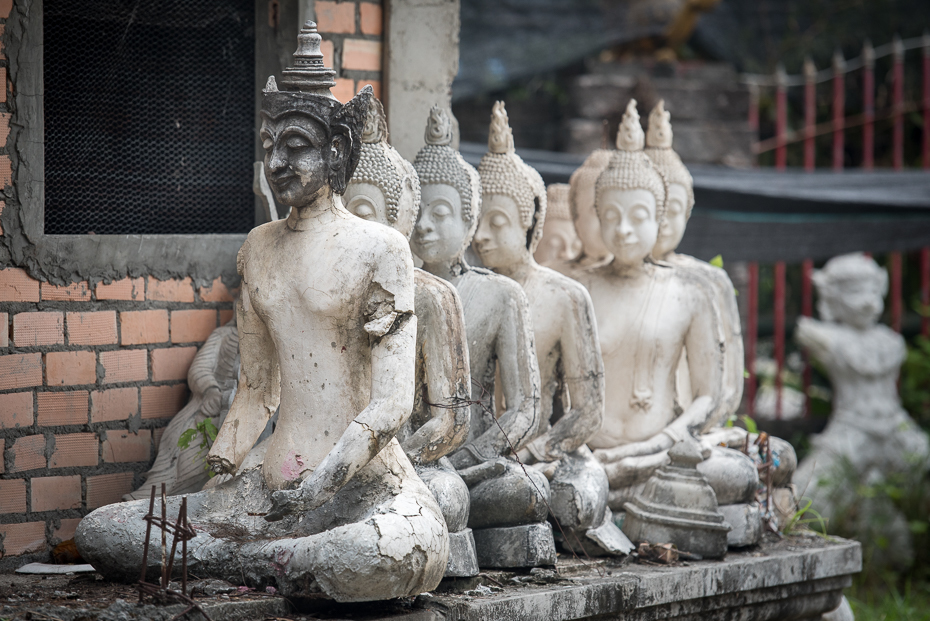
(839, 109)
(868, 106)
(781, 118)
(896, 293)
(779, 334)
(752, 332)
(898, 103)
(810, 113)
(807, 310)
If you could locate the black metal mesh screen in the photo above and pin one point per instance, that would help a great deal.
(149, 116)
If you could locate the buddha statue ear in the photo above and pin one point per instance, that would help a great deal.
(346, 141)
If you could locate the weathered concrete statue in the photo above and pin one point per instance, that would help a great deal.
(647, 314)
(508, 505)
(212, 377)
(559, 243)
(565, 331)
(385, 189)
(327, 329)
(870, 436)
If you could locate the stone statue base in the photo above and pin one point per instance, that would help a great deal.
(463, 560)
(745, 521)
(530, 545)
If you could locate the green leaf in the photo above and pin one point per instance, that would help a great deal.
(750, 424)
(717, 261)
(185, 440)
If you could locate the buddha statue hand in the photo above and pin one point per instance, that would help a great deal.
(662, 441)
(221, 465)
(212, 401)
(481, 472)
(300, 500)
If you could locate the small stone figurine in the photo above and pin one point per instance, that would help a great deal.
(559, 243)
(327, 330)
(508, 504)
(385, 189)
(570, 366)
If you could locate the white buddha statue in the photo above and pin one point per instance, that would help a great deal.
(559, 243)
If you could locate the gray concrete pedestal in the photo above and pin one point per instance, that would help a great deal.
(529, 545)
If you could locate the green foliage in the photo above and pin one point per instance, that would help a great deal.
(207, 431)
(915, 381)
(909, 602)
(717, 261)
(805, 520)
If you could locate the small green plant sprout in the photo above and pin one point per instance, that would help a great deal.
(717, 261)
(806, 520)
(207, 432)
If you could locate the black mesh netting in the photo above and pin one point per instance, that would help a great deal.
(149, 113)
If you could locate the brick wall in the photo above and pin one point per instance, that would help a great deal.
(351, 32)
(89, 377)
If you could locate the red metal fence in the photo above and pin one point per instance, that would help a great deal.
(837, 126)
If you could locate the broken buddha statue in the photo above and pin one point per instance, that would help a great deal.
(385, 189)
(646, 315)
(508, 504)
(565, 333)
(327, 330)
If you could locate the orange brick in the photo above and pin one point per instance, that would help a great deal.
(125, 289)
(13, 496)
(96, 328)
(75, 292)
(28, 453)
(335, 17)
(108, 488)
(172, 363)
(74, 449)
(329, 55)
(16, 410)
(5, 7)
(170, 290)
(2, 448)
(15, 284)
(370, 18)
(344, 89)
(66, 530)
(70, 368)
(36, 329)
(226, 316)
(189, 326)
(2, 30)
(123, 446)
(156, 436)
(361, 54)
(163, 401)
(6, 166)
(114, 404)
(128, 365)
(56, 493)
(22, 538)
(217, 291)
(20, 371)
(148, 326)
(62, 408)
(4, 317)
(4, 118)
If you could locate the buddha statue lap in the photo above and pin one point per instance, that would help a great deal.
(508, 503)
(565, 333)
(327, 330)
(647, 315)
(559, 242)
(385, 189)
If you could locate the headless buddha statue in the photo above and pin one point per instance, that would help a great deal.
(385, 189)
(565, 332)
(508, 502)
(327, 330)
(647, 314)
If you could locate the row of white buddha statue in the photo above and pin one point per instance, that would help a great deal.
(432, 421)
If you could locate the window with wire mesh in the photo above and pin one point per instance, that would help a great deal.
(149, 116)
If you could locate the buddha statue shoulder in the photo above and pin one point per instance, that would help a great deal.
(327, 331)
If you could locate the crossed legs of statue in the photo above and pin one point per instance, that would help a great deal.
(451, 493)
(382, 536)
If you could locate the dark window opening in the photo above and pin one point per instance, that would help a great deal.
(149, 116)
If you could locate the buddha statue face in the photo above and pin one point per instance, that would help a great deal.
(441, 233)
(367, 201)
(676, 219)
(628, 223)
(851, 290)
(500, 240)
(587, 225)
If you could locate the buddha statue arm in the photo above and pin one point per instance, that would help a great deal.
(258, 394)
(448, 380)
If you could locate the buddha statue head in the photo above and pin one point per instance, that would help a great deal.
(559, 242)
(680, 184)
(581, 203)
(513, 200)
(450, 195)
(312, 142)
(385, 187)
(630, 195)
(851, 290)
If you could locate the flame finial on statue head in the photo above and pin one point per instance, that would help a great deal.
(630, 136)
(660, 127)
(438, 128)
(375, 129)
(309, 74)
(500, 136)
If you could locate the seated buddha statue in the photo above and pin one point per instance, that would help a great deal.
(559, 242)
(327, 331)
(571, 371)
(385, 189)
(508, 502)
